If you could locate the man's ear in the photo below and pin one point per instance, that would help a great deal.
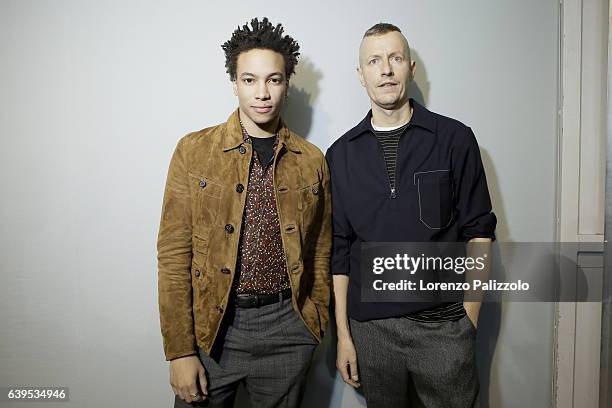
(360, 76)
(235, 87)
(286, 88)
(412, 70)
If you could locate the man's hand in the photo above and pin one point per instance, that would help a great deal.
(185, 374)
(346, 356)
(472, 309)
(346, 361)
(477, 248)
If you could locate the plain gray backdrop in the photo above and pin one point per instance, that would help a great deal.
(95, 95)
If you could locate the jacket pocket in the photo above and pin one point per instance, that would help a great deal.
(435, 192)
(199, 245)
(205, 199)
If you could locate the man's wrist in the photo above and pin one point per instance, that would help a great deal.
(183, 356)
(343, 334)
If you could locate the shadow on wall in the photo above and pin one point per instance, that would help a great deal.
(489, 320)
(420, 86)
(303, 92)
(502, 232)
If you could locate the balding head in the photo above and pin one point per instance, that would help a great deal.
(379, 30)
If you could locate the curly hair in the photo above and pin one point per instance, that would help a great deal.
(263, 35)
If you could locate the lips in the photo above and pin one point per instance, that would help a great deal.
(387, 84)
(262, 109)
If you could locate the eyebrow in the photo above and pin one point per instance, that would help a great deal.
(248, 74)
(392, 53)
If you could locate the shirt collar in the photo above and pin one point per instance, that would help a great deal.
(421, 117)
(234, 135)
(249, 139)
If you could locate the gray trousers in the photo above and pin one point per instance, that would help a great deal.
(402, 361)
(269, 349)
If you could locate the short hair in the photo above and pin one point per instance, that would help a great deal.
(262, 35)
(384, 28)
(380, 29)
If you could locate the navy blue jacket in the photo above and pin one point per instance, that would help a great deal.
(441, 194)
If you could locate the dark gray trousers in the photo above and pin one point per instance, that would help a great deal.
(399, 357)
(269, 349)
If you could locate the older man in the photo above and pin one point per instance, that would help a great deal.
(404, 174)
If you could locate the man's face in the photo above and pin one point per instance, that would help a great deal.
(385, 69)
(260, 85)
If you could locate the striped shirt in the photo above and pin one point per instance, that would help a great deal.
(449, 312)
(388, 139)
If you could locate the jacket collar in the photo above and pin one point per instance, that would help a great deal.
(233, 134)
(421, 117)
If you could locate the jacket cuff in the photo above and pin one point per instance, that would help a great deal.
(179, 354)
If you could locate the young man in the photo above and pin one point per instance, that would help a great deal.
(404, 174)
(245, 241)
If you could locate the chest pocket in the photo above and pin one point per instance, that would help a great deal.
(205, 199)
(436, 198)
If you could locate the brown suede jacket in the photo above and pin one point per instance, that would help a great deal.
(200, 226)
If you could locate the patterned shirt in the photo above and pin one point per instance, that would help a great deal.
(262, 267)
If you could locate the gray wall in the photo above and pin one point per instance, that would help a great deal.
(95, 96)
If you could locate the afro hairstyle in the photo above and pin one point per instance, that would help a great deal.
(261, 35)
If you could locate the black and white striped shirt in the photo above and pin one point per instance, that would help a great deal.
(388, 139)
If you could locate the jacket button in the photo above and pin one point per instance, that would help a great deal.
(202, 183)
(220, 309)
(197, 273)
(315, 190)
(229, 228)
(225, 271)
(242, 149)
(239, 188)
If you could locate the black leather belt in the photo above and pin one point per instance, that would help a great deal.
(255, 300)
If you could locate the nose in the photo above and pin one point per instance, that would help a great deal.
(386, 68)
(262, 91)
